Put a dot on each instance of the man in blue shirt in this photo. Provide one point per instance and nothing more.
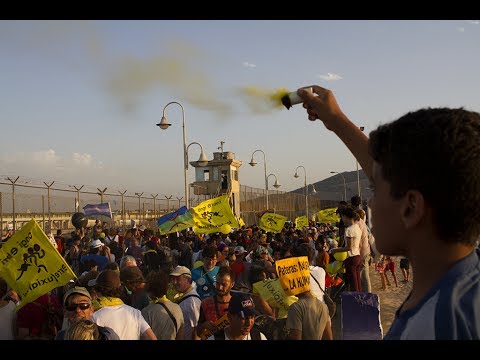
(424, 170)
(205, 275)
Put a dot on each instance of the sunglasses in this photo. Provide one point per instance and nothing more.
(82, 306)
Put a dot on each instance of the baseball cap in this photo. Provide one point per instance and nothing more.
(239, 250)
(242, 304)
(181, 270)
(76, 290)
(96, 244)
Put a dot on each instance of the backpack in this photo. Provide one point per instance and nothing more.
(254, 333)
(54, 320)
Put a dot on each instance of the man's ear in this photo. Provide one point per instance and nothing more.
(412, 209)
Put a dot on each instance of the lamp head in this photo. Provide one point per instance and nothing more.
(276, 185)
(296, 175)
(313, 190)
(333, 172)
(252, 162)
(163, 124)
(203, 161)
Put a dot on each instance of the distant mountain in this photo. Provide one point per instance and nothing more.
(332, 188)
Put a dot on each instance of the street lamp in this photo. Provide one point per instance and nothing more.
(253, 163)
(305, 185)
(358, 174)
(163, 124)
(202, 160)
(276, 185)
(344, 184)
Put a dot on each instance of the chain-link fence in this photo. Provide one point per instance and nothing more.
(52, 205)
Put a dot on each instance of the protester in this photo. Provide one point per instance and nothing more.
(164, 316)
(77, 305)
(205, 275)
(410, 163)
(125, 320)
(241, 318)
(187, 298)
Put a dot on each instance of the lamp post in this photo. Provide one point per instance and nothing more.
(163, 124)
(253, 163)
(276, 185)
(358, 174)
(305, 185)
(344, 184)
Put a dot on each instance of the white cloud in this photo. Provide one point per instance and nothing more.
(82, 159)
(330, 77)
(249, 65)
(45, 163)
(461, 29)
(473, 22)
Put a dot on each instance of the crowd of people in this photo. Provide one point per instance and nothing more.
(142, 285)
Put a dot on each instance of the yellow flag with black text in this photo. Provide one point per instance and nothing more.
(31, 265)
(210, 215)
(301, 222)
(272, 222)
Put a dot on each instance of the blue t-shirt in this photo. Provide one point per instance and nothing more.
(449, 311)
(205, 281)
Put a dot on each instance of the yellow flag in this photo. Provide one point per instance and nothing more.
(272, 291)
(301, 222)
(210, 215)
(294, 274)
(31, 265)
(241, 222)
(272, 222)
(328, 215)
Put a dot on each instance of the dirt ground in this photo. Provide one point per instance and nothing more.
(390, 299)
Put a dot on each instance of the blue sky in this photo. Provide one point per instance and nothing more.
(79, 100)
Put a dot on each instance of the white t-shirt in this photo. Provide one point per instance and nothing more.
(319, 274)
(354, 232)
(126, 321)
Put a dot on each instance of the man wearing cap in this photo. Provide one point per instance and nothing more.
(126, 321)
(241, 317)
(77, 305)
(187, 298)
(94, 253)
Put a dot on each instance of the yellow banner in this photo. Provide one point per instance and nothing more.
(294, 274)
(220, 324)
(272, 222)
(328, 215)
(210, 215)
(271, 290)
(301, 222)
(241, 222)
(31, 265)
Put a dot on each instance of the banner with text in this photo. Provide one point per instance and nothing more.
(272, 222)
(301, 222)
(272, 291)
(328, 216)
(294, 274)
(31, 265)
(210, 215)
